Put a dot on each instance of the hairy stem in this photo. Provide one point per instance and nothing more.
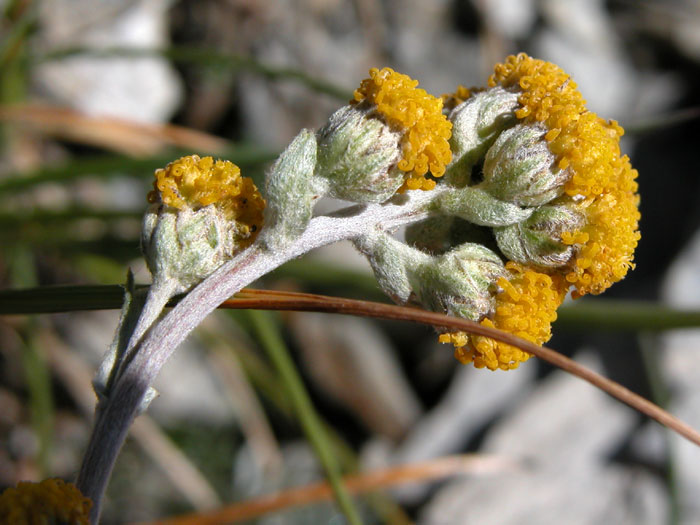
(118, 411)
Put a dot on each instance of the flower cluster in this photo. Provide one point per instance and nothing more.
(530, 198)
(585, 236)
(602, 183)
(51, 501)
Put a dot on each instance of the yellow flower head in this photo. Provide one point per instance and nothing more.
(51, 501)
(196, 182)
(602, 183)
(418, 115)
(526, 306)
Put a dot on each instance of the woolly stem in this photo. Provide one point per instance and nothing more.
(148, 356)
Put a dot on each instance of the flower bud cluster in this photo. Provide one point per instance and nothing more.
(386, 140)
(562, 163)
(601, 185)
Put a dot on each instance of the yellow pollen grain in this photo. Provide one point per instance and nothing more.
(50, 501)
(602, 183)
(525, 307)
(552, 134)
(194, 182)
(418, 116)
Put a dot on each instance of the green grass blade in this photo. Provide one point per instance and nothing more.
(38, 380)
(661, 394)
(268, 334)
(208, 58)
(19, 30)
(55, 299)
(606, 314)
(109, 165)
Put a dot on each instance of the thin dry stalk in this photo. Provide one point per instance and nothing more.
(268, 300)
(366, 482)
(129, 138)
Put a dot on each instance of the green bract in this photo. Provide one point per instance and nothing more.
(358, 155)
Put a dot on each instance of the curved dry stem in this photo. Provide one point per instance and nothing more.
(390, 477)
(262, 299)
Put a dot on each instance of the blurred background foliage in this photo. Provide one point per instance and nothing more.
(95, 96)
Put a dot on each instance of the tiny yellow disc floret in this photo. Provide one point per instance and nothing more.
(51, 501)
(462, 93)
(602, 183)
(525, 306)
(196, 182)
(416, 114)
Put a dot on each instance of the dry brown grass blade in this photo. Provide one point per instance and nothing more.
(366, 482)
(130, 138)
(272, 300)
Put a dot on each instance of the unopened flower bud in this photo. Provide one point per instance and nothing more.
(358, 155)
(537, 241)
(520, 168)
(459, 282)
(476, 123)
(202, 213)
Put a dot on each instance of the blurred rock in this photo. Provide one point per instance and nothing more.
(564, 430)
(143, 89)
(681, 369)
(676, 21)
(474, 398)
(509, 18)
(301, 468)
(589, 48)
(352, 361)
(323, 39)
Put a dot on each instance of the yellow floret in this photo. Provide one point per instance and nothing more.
(196, 182)
(602, 182)
(525, 306)
(452, 100)
(51, 501)
(418, 116)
